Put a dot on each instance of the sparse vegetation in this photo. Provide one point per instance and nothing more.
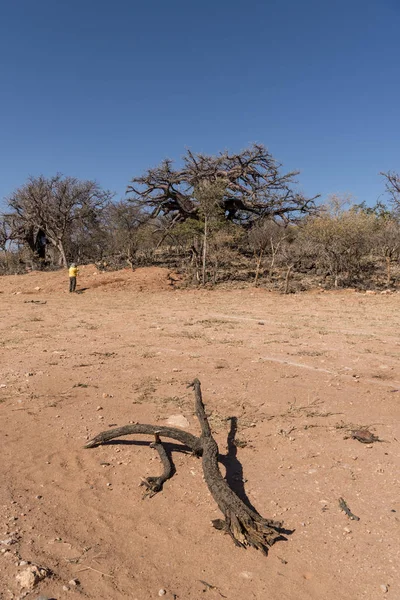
(233, 219)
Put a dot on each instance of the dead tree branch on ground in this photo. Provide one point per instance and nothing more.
(245, 526)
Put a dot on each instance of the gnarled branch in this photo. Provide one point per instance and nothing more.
(245, 526)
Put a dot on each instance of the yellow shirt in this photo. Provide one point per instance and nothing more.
(73, 271)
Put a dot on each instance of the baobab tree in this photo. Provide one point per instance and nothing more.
(254, 187)
(45, 210)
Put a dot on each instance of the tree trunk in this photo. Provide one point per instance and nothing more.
(203, 275)
(286, 291)
(258, 266)
(388, 269)
(60, 247)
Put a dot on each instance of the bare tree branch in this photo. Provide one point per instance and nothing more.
(254, 187)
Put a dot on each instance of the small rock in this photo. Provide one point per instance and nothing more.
(162, 592)
(178, 421)
(246, 575)
(37, 288)
(74, 582)
(9, 541)
(384, 588)
(31, 576)
(99, 408)
(65, 588)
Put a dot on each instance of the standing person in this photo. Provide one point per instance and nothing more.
(72, 272)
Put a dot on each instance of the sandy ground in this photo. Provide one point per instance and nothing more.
(298, 371)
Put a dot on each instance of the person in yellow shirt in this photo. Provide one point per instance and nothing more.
(72, 272)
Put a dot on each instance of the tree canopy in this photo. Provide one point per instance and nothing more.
(45, 209)
(254, 187)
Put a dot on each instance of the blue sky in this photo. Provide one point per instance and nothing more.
(101, 90)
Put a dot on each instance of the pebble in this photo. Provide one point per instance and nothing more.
(73, 582)
(99, 408)
(29, 578)
(9, 541)
(384, 588)
(65, 588)
(162, 592)
(246, 575)
(178, 421)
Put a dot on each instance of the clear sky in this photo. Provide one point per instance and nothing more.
(102, 89)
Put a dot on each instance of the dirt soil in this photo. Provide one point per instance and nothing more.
(300, 372)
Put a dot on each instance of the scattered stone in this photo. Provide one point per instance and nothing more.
(162, 592)
(9, 541)
(99, 408)
(74, 582)
(246, 575)
(178, 421)
(31, 576)
(65, 588)
(364, 436)
(384, 588)
(37, 288)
